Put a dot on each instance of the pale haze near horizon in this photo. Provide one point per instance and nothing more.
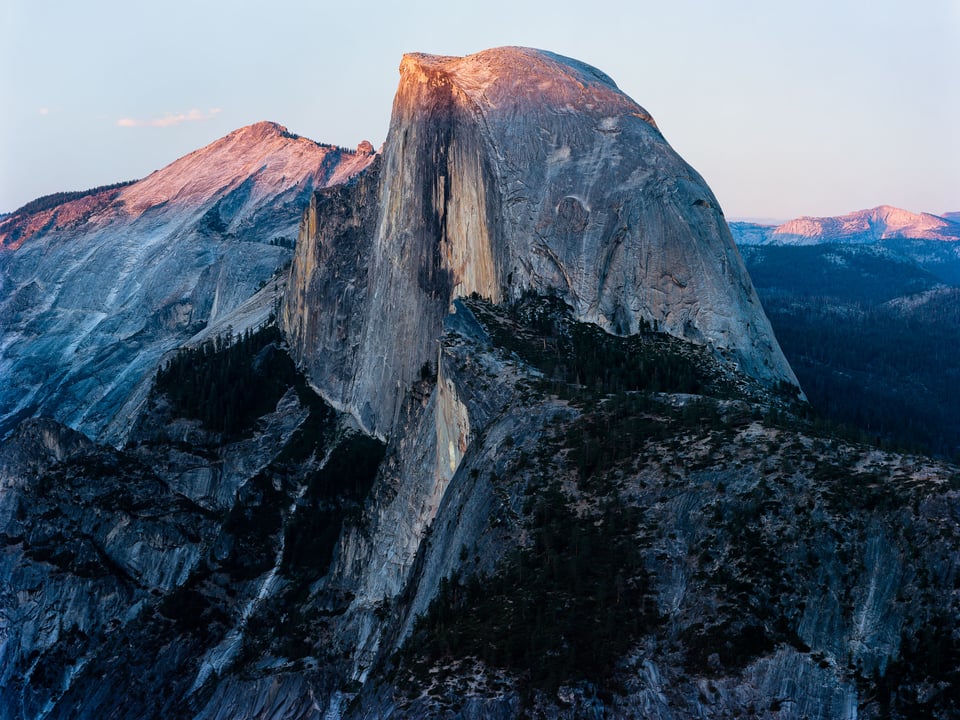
(786, 109)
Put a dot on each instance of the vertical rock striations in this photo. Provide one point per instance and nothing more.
(505, 171)
(329, 271)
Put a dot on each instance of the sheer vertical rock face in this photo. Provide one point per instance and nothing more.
(326, 296)
(518, 169)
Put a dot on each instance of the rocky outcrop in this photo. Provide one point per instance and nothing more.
(529, 546)
(90, 537)
(777, 574)
(507, 171)
(95, 290)
(130, 579)
(330, 272)
(743, 607)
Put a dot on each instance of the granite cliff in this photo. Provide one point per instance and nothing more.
(507, 171)
(555, 464)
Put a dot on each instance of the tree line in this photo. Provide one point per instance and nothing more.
(46, 202)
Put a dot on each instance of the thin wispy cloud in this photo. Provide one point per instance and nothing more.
(169, 119)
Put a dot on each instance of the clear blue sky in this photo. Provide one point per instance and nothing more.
(813, 107)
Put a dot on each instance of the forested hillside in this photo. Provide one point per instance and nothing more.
(872, 337)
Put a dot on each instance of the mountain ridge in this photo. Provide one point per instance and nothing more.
(872, 225)
(97, 288)
(190, 179)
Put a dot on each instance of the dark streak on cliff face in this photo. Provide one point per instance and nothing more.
(515, 170)
(379, 261)
(434, 190)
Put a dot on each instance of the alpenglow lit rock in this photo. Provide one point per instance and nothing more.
(95, 289)
(857, 228)
(506, 171)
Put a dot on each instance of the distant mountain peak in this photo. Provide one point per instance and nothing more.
(264, 128)
(871, 225)
(884, 222)
(265, 153)
(267, 130)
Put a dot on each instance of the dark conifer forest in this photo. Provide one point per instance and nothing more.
(228, 386)
(873, 337)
